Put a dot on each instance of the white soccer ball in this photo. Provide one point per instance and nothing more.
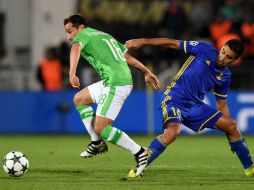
(15, 164)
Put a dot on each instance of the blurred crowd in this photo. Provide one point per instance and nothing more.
(210, 20)
(213, 21)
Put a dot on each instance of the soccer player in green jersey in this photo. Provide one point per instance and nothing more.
(110, 60)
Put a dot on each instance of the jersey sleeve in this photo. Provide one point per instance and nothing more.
(221, 92)
(122, 47)
(195, 47)
(82, 39)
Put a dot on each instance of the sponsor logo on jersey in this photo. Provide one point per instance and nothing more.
(219, 76)
(193, 43)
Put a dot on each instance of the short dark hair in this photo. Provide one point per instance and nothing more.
(76, 20)
(236, 46)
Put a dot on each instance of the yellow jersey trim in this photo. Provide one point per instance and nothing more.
(167, 98)
(159, 139)
(184, 47)
(201, 127)
(164, 107)
(236, 140)
(184, 67)
(180, 72)
(168, 118)
(221, 95)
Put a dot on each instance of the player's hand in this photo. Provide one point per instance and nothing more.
(150, 78)
(74, 80)
(133, 44)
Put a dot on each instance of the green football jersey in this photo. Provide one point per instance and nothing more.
(106, 55)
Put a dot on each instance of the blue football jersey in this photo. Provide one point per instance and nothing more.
(199, 75)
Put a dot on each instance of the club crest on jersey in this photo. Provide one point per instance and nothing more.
(193, 43)
(219, 76)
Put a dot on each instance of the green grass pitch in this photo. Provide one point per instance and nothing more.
(191, 162)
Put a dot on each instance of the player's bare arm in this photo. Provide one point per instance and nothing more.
(149, 76)
(164, 42)
(223, 107)
(74, 58)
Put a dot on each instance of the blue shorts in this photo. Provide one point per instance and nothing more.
(196, 117)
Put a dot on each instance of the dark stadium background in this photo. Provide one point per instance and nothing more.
(28, 28)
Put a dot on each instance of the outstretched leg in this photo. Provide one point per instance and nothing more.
(160, 143)
(82, 101)
(103, 126)
(236, 142)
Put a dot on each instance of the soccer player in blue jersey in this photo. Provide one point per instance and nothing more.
(182, 102)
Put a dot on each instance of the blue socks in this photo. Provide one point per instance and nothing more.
(157, 147)
(242, 151)
(240, 147)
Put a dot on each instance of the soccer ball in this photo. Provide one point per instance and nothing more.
(15, 164)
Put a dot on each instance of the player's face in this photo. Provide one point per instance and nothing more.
(226, 56)
(71, 31)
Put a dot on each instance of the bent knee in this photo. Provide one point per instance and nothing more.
(79, 100)
(175, 133)
(232, 124)
(170, 134)
(76, 100)
(101, 123)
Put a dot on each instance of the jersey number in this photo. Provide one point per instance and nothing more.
(176, 112)
(102, 98)
(116, 51)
